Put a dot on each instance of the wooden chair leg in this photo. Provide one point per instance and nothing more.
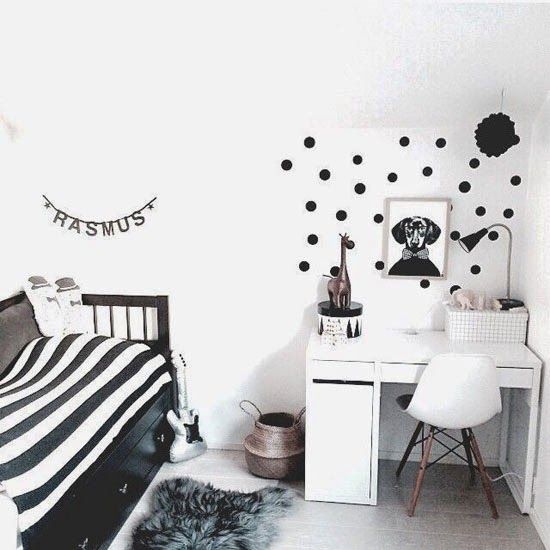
(484, 476)
(421, 472)
(409, 448)
(467, 448)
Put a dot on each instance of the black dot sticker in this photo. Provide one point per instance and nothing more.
(324, 174)
(286, 164)
(311, 206)
(357, 159)
(341, 215)
(424, 283)
(480, 211)
(304, 266)
(427, 171)
(508, 213)
(475, 269)
(493, 235)
(464, 186)
(474, 163)
(404, 141)
(312, 238)
(453, 288)
(455, 235)
(379, 265)
(378, 218)
(334, 270)
(392, 177)
(309, 142)
(360, 188)
(440, 143)
(515, 180)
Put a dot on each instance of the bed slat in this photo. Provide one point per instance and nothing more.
(128, 328)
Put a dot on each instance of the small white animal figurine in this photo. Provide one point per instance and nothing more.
(188, 442)
(463, 298)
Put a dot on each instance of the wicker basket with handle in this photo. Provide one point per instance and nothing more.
(275, 448)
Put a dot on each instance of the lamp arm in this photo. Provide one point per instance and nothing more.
(508, 230)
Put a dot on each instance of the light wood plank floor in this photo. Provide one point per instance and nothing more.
(450, 515)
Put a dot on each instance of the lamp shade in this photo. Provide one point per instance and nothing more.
(469, 242)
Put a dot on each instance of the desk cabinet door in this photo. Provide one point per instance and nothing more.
(338, 440)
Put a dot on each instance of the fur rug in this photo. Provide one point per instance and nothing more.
(191, 515)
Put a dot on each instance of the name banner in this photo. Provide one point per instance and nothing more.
(90, 228)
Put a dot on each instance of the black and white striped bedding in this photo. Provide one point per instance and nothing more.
(61, 404)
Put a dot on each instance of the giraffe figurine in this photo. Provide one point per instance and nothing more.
(339, 287)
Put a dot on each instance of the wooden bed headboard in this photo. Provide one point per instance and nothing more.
(160, 343)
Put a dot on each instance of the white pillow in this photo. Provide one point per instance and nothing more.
(47, 310)
(69, 297)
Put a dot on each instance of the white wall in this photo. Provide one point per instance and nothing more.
(119, 102)
(535, 290)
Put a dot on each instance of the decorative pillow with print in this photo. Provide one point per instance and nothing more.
(47, 310)
(69, 297)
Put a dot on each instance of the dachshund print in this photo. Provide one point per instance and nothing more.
(416, 233)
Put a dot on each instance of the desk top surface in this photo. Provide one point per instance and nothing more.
(399, 346)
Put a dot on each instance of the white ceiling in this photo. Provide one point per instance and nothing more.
(323, 63)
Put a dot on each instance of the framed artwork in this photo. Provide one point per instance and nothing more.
(416, 232)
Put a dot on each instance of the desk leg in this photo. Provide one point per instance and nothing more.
(375, 435)
(531, 442)
(504, 425)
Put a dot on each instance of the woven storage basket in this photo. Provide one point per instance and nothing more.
(486, 326)
(275, 449)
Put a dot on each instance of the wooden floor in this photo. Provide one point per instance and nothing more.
(450, 515)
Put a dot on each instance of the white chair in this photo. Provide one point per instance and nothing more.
(455, 392)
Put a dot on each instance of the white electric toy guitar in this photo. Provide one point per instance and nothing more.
(188, 442)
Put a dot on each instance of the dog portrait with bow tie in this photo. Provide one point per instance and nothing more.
(416, 238)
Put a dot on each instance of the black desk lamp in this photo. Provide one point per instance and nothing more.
(469, 242)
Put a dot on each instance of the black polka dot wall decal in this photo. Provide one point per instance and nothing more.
(304, 266)
(286, 164)
(378, 218)
(480, 211)
(392, 176)
(453, 288)
(360, 188)
(309, 142)
(427, 171)
(515, 180)
(357, 159)
(440, 143)
(311, 206)
(334, 270)
(312, 238)
(424, 283)
(379, 265)
(455, 235)
(404, 141)
(341, 215)
(324, 174)
(475, 269)
(493, 235)
(464, 186)
(474, 163)
(508, 213)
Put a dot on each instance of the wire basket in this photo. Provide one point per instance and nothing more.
(486, 325)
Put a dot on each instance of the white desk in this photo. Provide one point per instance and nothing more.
(398, 357)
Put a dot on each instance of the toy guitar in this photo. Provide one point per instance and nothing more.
(188, 442)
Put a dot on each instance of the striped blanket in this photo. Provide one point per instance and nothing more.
(62, 403)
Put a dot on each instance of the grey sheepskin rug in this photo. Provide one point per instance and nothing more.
(189, 514)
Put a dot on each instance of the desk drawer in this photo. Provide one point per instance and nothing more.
(410, 373)
(340, 370)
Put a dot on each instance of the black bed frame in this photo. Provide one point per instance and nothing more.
(93, 510)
